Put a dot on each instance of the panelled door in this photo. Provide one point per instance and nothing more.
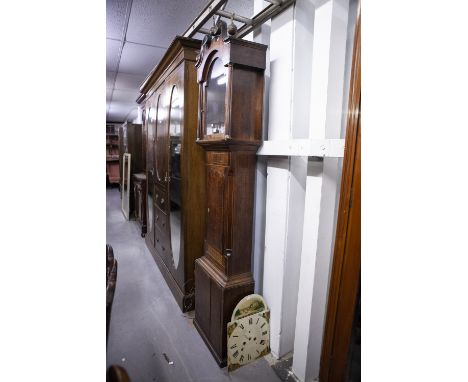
(151, 113)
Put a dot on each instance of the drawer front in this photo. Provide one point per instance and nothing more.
(160, 199)
(161, 220)
(161, 242)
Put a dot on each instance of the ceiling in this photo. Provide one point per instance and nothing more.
(138, 34)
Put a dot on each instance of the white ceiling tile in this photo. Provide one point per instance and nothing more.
(115, 18)
(126, 96)
(126, 81)
(110, 76)
(119, 111)
(133, 115)
(157, 22)
(139, 59)
(154, 23)
(240, 7)
(112, 55)
(115, 116)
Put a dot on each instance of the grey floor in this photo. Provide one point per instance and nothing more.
(146, 321)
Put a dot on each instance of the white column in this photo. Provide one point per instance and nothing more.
(323, 178)
(275, 290)
(290, 63)
(262, 36)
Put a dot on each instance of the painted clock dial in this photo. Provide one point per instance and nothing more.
(248, 339)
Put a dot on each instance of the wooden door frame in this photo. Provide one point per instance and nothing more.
(346, 269)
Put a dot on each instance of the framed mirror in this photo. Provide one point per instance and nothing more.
(175, 119)
(215, 106)
(126, 165)
(150, 163)
(161, 144)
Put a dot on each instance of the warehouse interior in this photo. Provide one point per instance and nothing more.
(305, 59)
(231, 207)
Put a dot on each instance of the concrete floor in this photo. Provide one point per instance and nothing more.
(146, 321)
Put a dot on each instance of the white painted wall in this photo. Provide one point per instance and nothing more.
(328, 69)
(285, 181)
(306, 91)
(306, 94)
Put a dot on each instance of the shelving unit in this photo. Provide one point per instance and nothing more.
(112, 154)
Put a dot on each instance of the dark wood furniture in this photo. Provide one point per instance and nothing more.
(231, 79)
(117, 373)
(111, 280)
(344, 293)
(175, 168)
(112, 154)
(130, 141)
(139, 191)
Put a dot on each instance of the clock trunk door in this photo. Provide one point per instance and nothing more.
(217, 225)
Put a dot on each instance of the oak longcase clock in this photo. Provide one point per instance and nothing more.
(230, 74)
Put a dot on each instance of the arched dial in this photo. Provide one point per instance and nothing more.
(248, 340)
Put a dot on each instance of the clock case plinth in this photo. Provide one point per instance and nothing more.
(223, 274)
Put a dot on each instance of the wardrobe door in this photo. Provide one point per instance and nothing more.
(161, 144)
(174, 170)
(153, 104)
(161, 199)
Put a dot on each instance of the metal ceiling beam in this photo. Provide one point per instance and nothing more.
(203, 17)
(263, 16)
(229, 15)
(274, 8)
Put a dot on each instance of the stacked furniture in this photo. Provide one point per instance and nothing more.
(130, 141)
(139, 192)
(112, 154)
(111, 280)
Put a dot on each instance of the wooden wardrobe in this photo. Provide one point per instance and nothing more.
(175, 168)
